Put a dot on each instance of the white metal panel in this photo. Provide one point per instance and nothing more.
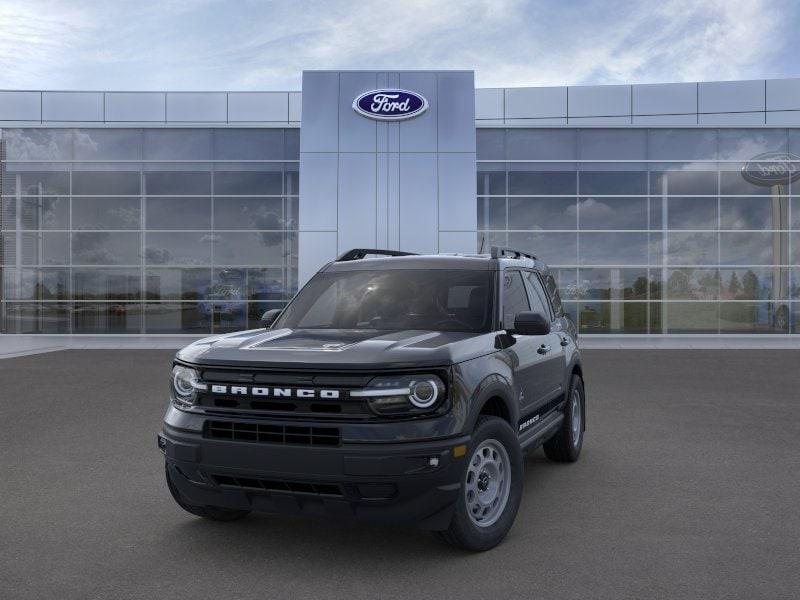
(356, 132)
(537, 122)
(418, 203)
(320, 130)
(356, 201)
(457, 205)
(419, 134)
(665, 120)
(489, 103)
(599, 101)
(456, 114)
(731, 96)
(536, 103)
(258, 106)
(783, 94)
(732, 119)
(458, 241)
(295, 106)
(665, 98)
(72, 106)
(136, 107)
(318, 248)
(784, 118)
(197, 107)
(579, 121)
(20, 106)
(318, 191)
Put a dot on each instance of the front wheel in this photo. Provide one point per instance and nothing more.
(566, 444)
(491, 488)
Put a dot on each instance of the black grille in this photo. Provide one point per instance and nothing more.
(271, 485)
(267, 433)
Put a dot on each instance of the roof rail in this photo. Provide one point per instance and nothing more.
(503, 252)
(359, 253)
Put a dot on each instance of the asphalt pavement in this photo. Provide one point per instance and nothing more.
(687, 487)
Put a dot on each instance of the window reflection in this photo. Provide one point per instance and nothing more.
(106, 213)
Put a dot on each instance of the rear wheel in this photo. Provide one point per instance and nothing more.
(215, 513)
(491, 489)
(566, 444)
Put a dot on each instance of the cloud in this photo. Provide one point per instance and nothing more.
(210, 44)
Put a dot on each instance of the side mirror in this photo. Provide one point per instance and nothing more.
(531, 323)
(268, 318)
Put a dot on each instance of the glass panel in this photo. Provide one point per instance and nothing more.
(292, 144)
(552, 248)
(38, 144)
(610, 183)
(491, 213)
(541, 144)
(542, 213)
(248, 183)
(177, 284)
(266, 284)
(106, 213)
(179, 248)
(250, 248)
(8, 214)
(524, 181)
(102, 317)
(732, 182)
(515, 298)
(40, 249)
(45, 212)
(108, 144)
(98, 183)
(752, 248)
(693, 284)
(490, 144)
(692, 213)
(692, 249)
(794, 286)
(36, 284)
(613, 248)
(690, 317)
(178, 213)
(177, 183)
(612, 144)
(613, 317)
(491, 180)
(566, 280)
(612, 213)
(248, 144)
(680, 182)
(753, 317)
(291, 178)
(106, 284)
(755, 283)
(38, 183)
(227, 316)
(682, 144)
(228, 285)
(177, 144)
(753, 213)
(47, 317)
(612, 284)
(249, 213)
(105, 248)
(745, 144)
(183, 317)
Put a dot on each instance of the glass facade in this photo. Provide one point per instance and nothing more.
(146, 230)
(651, 230)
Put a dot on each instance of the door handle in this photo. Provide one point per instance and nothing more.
(543, 349)
(565, 341)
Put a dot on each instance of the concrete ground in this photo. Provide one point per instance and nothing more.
(687, 487)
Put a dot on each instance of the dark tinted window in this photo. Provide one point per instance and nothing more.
(515, 299)
(555, 297)
(536, 294)
(394, 300)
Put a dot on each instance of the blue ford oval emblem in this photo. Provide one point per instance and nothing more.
(772, 168)
(390, 105)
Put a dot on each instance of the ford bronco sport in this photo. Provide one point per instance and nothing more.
(399, 388)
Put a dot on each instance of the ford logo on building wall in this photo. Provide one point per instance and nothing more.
(390, 105)
(772, 168)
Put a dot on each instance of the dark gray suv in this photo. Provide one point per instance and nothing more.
(399, 388)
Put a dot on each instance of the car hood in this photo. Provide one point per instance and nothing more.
(337, 349)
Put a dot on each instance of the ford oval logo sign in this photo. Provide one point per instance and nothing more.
(772, 168)
(390, 105)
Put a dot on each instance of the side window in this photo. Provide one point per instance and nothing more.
(536, 293)
(515, 300)
(555, 297)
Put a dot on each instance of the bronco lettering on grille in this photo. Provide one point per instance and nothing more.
(275, 392)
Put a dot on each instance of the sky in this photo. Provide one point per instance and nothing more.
(263, 45)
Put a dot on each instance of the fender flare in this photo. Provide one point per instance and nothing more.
(493, 386)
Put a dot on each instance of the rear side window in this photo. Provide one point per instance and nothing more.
(555, 298)
(515, 299)
(537, 295)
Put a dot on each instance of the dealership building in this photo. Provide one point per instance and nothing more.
(662, 209)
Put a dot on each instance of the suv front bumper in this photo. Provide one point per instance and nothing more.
(412, 482)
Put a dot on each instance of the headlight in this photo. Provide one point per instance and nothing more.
(403, 394)
(185, 385)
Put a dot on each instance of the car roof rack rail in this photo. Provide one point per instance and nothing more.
(503, 252)
(359, 253)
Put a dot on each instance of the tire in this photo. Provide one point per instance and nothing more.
(493, 443)
(214, 513)
(566, 444)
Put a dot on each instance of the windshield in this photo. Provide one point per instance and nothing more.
(439, 300)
